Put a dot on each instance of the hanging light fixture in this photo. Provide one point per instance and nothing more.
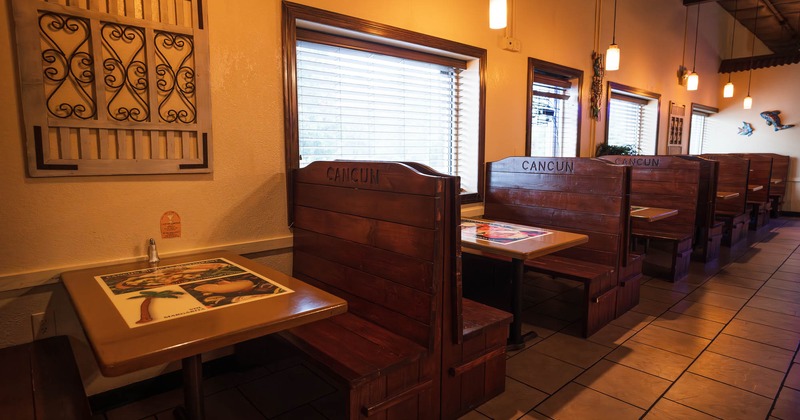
(748, 100)
(727, 91)
(694, 79)
(498, 14)
(612, 53)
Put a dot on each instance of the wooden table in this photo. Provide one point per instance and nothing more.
(120, 348)
(651, 214)
(726, 195)
(518, 250)
(754, 187)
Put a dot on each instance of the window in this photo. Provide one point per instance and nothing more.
(553, 109)
(700, 127)
(400, 96)
(632, 118)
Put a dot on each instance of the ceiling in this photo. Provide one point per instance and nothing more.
(778, 28)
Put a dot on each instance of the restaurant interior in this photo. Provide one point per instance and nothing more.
(504, 209)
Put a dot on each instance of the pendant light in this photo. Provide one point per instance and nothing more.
(694, 80)
(612, 53)
(748, 100)
(498, 14)
(727, 91)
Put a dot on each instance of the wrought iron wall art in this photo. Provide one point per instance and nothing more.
(176, 77)
(67, 66)
(112, 87)
(125, 72)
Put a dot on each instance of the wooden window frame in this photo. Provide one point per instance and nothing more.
(567, 72)
(702, 109)
(293, 12)
(633, 93)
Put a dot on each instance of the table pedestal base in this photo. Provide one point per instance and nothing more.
(516, 340)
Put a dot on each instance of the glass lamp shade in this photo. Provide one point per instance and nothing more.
(693, 81)
(612, 57)
(727, 91)
(498, 14)
(748, 102)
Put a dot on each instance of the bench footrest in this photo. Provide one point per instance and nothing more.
(599, 281)
(676, 265)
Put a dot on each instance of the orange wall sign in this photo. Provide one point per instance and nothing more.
(170, 225)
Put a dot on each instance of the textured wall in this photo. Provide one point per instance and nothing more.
(56, 224)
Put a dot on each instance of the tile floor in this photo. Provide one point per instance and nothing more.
(721, 344)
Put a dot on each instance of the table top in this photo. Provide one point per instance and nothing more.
(726, 195)
(121, 349)
(775, 180)
(515, 240)
(652, 214)
(754, 187)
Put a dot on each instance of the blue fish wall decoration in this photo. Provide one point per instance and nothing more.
(774, 120)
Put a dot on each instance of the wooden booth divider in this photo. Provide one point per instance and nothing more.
(385, 237)
(734, 173)
(579, 195)
(708, 231)
(758, 199)
(664, 182)
(777, 190)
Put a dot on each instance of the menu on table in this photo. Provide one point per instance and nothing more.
(497, 232)
(156, 294)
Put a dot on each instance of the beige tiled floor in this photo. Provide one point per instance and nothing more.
(721, 344)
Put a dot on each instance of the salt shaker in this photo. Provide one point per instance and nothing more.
(152, 253)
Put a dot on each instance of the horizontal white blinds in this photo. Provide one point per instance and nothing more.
(356, 104)
(630, 124)
(699, 133)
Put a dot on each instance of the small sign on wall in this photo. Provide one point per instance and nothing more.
(170, 225)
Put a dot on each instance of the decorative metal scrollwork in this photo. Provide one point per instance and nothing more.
(175, 77)
(125, 72)
(67, 66)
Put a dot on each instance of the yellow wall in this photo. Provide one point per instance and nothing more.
(54, 224)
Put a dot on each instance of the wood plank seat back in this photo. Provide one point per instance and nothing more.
(733, 177)
(578, 195)
(734, 173)
(41, 381)
(666, 182)
(760, 174)
(474, 335)
(780, 173)
(372, 233)
(708, 232)
(759, 201)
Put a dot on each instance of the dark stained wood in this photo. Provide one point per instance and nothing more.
(577, 195)
(41, 381)
(389, 246)
(780, 172)
(758, 200)
(708, 232)
(734, 173)
(667, 182)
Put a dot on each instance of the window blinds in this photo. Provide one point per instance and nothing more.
(554, 120)
(356, 104)
(631, 123)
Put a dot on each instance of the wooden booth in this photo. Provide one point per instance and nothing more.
(385, 237)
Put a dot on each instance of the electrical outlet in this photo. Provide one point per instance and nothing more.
(43, 325)
(511, 44)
